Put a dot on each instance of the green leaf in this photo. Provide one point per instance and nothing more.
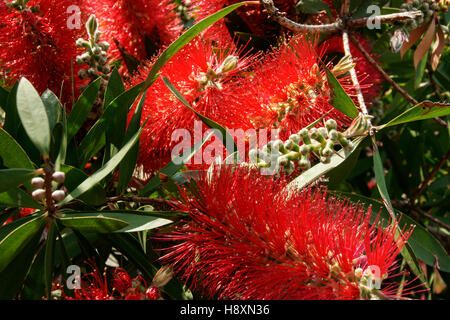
(98, 222)
(13, 276)
(62, 152)
(422, 111)
(190, 34)
(12, 178)
(227, 139)
(81, 109)
(173, 166)
(33, 116)
(128, 165)
(339, 99)
(12, 120)
(312, 6)
(320, 169)
(115, 117)
(114, 89)
(16, 197)
(11, 152)
(74, 177)
(106, 125)
(16, 235)
(52, 106)
(49, 258)
(104, 171)
(379, 177)
(93, 142)
(132, 222)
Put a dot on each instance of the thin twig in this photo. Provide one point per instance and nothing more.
(338, 25)
(430, 176)
(359, 94)
(406, 205)
(394, 84)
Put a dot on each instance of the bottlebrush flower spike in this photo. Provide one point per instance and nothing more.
(208, 80)
(140, 27)
(37, 43)
(251, 239)
(289, 91)
(369, 77)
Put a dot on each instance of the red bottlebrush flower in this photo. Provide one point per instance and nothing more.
(38, 44)
(208, 80)
(288, 89)
(140, 27)
(122, 281)
(153, 293)
(368, 76)
(95, 286)
(253, 20)
(250, 238)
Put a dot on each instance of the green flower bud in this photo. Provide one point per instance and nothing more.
(333, 135)
(305, 149)
(291, 145)
(323, 131)
(293, 156)
(230, 63)
(304, 134)
(283, 161)
(92, 25)
(331, 124)
(279, 146)
(295, 138)
(59, 177)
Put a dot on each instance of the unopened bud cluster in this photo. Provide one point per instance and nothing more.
(95, 56)
(38, 184)
(301, 148)
(428, 8)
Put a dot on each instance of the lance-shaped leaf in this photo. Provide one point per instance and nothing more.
(114, 89)
(81, 109)
(422, 111)
(128, 165)
(49, 258)
(16, 197)
(33, 116)
(11, 152)
(16, 235)
(104, 171)
(425, 44)
(112, 221)
(339, 99)
(12, 178)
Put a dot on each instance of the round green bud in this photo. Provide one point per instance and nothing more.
(331, 124)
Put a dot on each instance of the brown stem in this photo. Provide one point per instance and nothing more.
(278, 16)
(48, 179)
(345, 8)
